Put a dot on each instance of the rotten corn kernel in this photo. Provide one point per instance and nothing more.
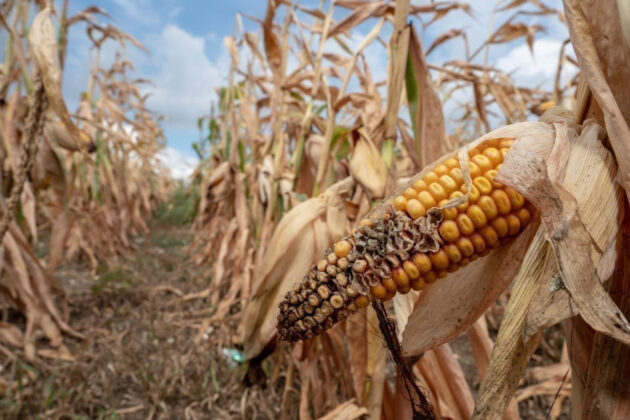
(411, 243)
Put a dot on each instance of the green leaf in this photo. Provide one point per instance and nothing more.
(387, 151)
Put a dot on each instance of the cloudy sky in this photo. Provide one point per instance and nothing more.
(188, 58)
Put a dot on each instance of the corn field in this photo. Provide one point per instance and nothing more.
(432, 239)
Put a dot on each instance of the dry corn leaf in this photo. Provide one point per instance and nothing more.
(425, 107)
(451, 398)
(376, 359)
(44, 46)
(272, 45)
(355, 331)
(367, 165)
(399, 47)
(346, 411)
(591, 68)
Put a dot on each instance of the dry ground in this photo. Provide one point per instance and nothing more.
(151, 353)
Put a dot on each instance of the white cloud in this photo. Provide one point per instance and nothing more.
(183, 86)
(530, 70)
(179, 163)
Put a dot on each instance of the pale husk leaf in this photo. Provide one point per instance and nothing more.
(591, 174)
(569, 238)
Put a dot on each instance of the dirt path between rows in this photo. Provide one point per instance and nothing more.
(152, 350)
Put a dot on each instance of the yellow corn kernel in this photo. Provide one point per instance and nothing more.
(437, 191)
(448, 183)
(514, 224)
(439, 260)
(378, 291)
(419, 185)
(415, 209)
(361, 301)
(422, 262)
(465, 246)
(502, 201)
(417, 284)
(494, 155)
(506, 143)
(524, 216)
(441, 170)
(516, 199)
(453, 253)
(401, 278)
(441, 274)
(390, 284)
(400, 203)
(483, 185)
(486, 203)
(448, 213)
(483, 162)
(427, 199)
(464, 262)
(410, 193)
(389, 295)
(490, 176)
(474, 151)
(449, 231)
(478, 242)
(490, 236)
(504, 151)
(500, 226)
(457, 175)
(429, 277)
(430, 177)
(452, 163)
(465, 224)
(462, 207)
(474, 193)
(411, 270)
(477, 216)
(475, 171)
(342, 248)
(491, 143)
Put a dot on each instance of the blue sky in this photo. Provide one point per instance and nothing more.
(188, 59)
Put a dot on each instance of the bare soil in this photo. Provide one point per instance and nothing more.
(150, 351)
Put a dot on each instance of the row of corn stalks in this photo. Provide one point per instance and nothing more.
(303, 148)
(62, 171)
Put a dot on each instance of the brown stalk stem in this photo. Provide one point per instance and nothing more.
(420, 405)
(33, 132)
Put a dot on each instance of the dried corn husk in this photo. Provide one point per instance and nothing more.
(298, 241)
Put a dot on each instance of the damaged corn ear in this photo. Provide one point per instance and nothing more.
(412, 242)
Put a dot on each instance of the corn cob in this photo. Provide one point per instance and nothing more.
(412, 242)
